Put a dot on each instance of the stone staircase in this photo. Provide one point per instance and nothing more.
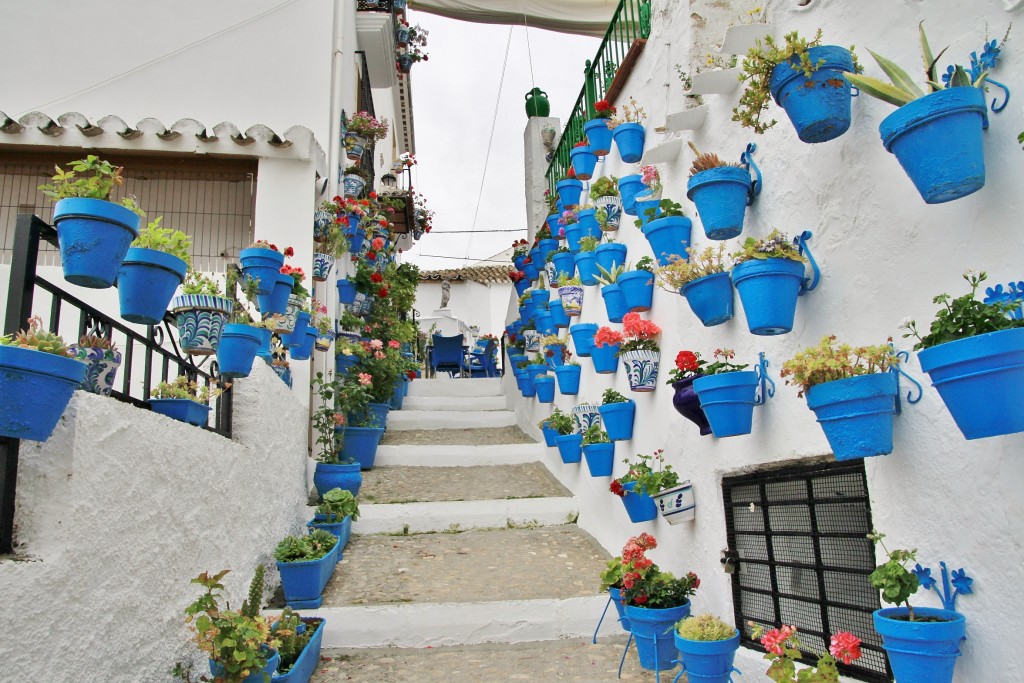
(466, 557)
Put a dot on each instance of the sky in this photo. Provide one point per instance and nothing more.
(454, 97)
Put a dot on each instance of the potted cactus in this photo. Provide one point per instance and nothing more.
(708, 647)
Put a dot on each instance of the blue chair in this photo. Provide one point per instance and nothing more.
(448, 355)
(483, 359)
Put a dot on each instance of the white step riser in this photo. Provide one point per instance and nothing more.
(447, 419)
(458, 456)
(439, 624)
(455, 387)
(455, 403)
(466, 514)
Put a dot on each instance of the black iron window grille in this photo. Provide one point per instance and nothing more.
(804, 559)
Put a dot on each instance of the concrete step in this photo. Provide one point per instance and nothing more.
(444, 386)
(460, 403)
(403, 420)
(464, 515)
(455, 455)
(491, 436)
(495, 483)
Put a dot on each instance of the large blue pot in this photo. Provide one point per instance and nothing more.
(605, 358)
(304, 350)
(610, 255)
(727, 400)
(565, 264)
(346, 291)
(921, 651)
(569, 191)
(307, 661)
(708, 661)
(669, 237)
(276, 302)
(182, 410)
(544, 323)
(329, 476)
(583, 162)
(818, 107)
(856, 414)
(710, 298)
(237, 349)
(721, 195)
(568, 379)
(379, 412)
(599, 136)
(545, 386)
(614, 303)
(589, 224)
(35, 388)
(616, 596)
(600, 458)
(586, 266)
(93, 235)
(981, 381)
(256, 676)
(573, 233)
(303, 582)
(937, 140)
(558, 316)
(146, 282)
(342, 363)
(638, 289)
(570, 447)
(552, 221)
(549, 436)
(768, 289)
(546, 247)
(342, 529)
(652, 630)
(617, 419)
(629, 138)
(629, 187)
(360, 444)
(583, 338)
(263, 265)
(639, 506)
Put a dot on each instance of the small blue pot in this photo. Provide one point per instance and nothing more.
(552, 221)
(921, 651)
(583, 162)
(568, 379)
(333, 476)
(276, 302)
(355, 242)
(360, 444)
(639, 506)
(146, 282)
(617, 419)
(818, 107)
(304, 582)
(721, 196)
(727, 400)
(526, 387)
(856, 414)
(545, 386)
(182, 410)
(380, 412)
(570, 447)
(544, 323)
(645, 208)
(540, 296)
(614, 303)
(586, 266)
(546, 247)
(347, 291)
(583, 338)
(668, 237)
(600, 458)
(638, 289)
(262, 264)
(605, 358)
(517, 261)
(532, 270)
(573, 233)
(343, 363)
(569, 191)
(610, 255)
(297, 337)
(710, 298)
(549, 436)
(535, 370)
(35, 388)
(304, 350)
(653, 633)
(93, 235)
(237, 349)
(629, 138)
(629, 187)
(264, 351)
(708, 661)
(768, 289)
(555, 357)
(558, 316)
(599, 136)
(565, 264)
(520, 286)
(588, 223)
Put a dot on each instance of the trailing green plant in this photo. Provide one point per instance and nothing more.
(337, 504)
(293, 634)
(965, 316)
(775, 245)
(333, 242)
(37, 338)
(892, 577)
(666, 209)
(359, 171)
(253, 603)
(594, 435)
(646, 263)
(605, 186)
(611, 396)
(313, 546)
(167, 240)
(199, 284)
(679, 271)
(561, 422)
(705, 628)
(90, 178)
(828, 362)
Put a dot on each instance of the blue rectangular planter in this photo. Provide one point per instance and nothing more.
(305, 665)
(303, 582)
(342, 529)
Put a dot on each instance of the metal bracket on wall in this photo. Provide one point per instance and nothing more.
(809, 283)
(766, 387)
(747, 161)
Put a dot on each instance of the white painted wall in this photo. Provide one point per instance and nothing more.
(471, 302)
(884, 254)
(122, 507)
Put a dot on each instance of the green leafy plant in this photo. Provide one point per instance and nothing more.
(644, 584)
(705, 628)
(168, 240)
(647, 478)
(90, 178)
(564, 280)
(293, 634)
(561, 422)
(605, 186)
(594, 434)
(198, 283)
(680, 271)
(37, 338)
(828, 362)
(892, 577)
(183, 387)
(589, 243)
(775, 245)
(965, 317)
(326, 418)
(666, 209)
(646, 263)
(783, 650)
(337, 504)
(313, 546)
(611, 396)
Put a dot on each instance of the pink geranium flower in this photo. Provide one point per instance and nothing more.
(606, 336)
(365, 379)
(394, 344)
(845, 647)
(376, 344)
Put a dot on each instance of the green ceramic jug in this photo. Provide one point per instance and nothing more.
(537, 103)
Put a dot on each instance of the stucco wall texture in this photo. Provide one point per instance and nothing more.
(121, 508)
(883, 254)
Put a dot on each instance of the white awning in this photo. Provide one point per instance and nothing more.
(584, 17)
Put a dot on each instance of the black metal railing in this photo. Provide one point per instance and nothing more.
(366, 104)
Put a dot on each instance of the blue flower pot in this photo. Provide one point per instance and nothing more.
(535, 370)
(573, 233)
(347, 291)
(617, 419)
(639, 506)
(616, 596)
(921, 651)
(647, 210)
(565, 264)
(305, 349)
(264, 350)
(342, 363)
(307, 661)
(545, 386)
(379, 412)
(355, 242)
(545, 325)
(540, 296)
(546, 247)
(981, 381)
(568, 379)
(554, 355)
(629, 138)
(586, 266)
(610, 255)
(558, 316)
(35, 388)
(360, 443)
(583, 162)
(583, 338)
(668, 237)
(334, 476)
(303, 582)
(818, 107)
(146, 282)
(768, 289)
(653, 632)
(398, 395)
(600, 458)
(276, 302)
(614, 303)
(297, 337)
(721, 196)
(629, 187)
(570, 447)
(856, 414)
(263, 265)
(727, 400)
(599, 136)
(708, 661)
(182, 410)
(605, 358)
(342, 529)
(237, 349)
(353, 185)
(517, 261)
(256, 676)
(710, 298)
(532, 270)
(93, 235)
(588, 223)
(521, 286)
(549, 436)
(937, 140)
(526, 387)
(569, 191)
(638, 289)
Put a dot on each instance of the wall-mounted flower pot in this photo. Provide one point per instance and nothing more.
(521, 286)
(981, 381)
(687, 404)
(588, 223)
(573, 233)
(545, 386)
(609, 256)
(531, 269)
(570, 447)
(200, 319)
(526, 387)
(605, 360)
(146, 282)
(546, 247)
(668, 237)
(288, 322)
(599, 136)
(586, 415)
(728, 401)
(559, 318)
(921, 651)
(553, 352)
(276, 301)
(565, 264)
(688, 119)
(721, 196)
(938, 141)
(708, 661)
(237, 349)
(583, 162)
(612, 207)
(344, 362)
(629, 187)
(35, 388)
(568, 379)
(355, 242)
(676, 504)
(641, 369)
(323, 340)
(638, 289)
(353, 185)
(768, 289)
(552, 221)
(583, 338)
(856, 414)
(297, 337)
(360, 444)
(629, 138)
(263, 265)
(303, 582)
(542, 318)
(710, 298)
(572, 299)
(600, 458)
(101, 367)
(322, 265)
(355, 145)
(617, 419)
(818, 107)
(93, 236)
(265, 352)
(614, 302)
(182, 410)
(586, 267)
(532, 338)
(549, 436)
(716, 82)
(569, 191)
(652, 632)
(647, 209)
(304, 349)
(639, 506)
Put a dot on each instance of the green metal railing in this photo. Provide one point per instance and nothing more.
(631, 21)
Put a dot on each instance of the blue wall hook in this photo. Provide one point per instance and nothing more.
(897, 369)
(809, 283)
(1014, 292)
(960, 584)
(996, 108)
(766, 387)
(747, 161)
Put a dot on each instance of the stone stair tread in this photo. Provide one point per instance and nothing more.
(445, 386)
(452, 403)
(383, 485)
(575, 661)
(472, 566)
(489, 436)
(419, 518)
(404, 420)
(457, 455)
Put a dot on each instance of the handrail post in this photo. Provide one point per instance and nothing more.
(590, 87)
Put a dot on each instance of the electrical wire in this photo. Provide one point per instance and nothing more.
(460, 258)
(529, 52)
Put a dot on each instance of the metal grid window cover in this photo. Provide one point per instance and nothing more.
(800, 534)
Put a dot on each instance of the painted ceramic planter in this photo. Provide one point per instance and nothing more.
(356, 146)
(676, 504)
(94, 236)
(353, 186)
(572, 299)
(322, 265)
(201, 319)
(586, 415)
(641, 369)
(612, 206)
(322, 222)
(101, 367)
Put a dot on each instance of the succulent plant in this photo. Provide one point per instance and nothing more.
(35, 337)
(91, 341)
(705, 627)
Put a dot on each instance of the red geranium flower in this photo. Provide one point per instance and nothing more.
(382, 292)
(686, 361)
(289, 252)
(617, 489)
(377, 278)
(371, 255)
(373, 195)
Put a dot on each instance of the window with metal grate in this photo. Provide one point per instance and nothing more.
(804, 559)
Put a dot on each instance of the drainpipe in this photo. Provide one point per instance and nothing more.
(337, 71)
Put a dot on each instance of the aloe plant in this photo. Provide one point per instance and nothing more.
(611, 277)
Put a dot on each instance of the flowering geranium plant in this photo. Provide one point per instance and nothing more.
(783, 649)
(638, 334)
(645, 476)
(603, 110)
(367, 126)
(516, 275)
(520, 248)
(606, 336)
(688, 365)
(297, 276)
(650, 177)
(644, 584)
(568, 217)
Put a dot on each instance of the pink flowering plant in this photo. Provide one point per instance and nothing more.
(650, 177)
(783, 650)
(365, 125)
(606, 336)
(638, 334)
(644, 584)
(568, 217)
